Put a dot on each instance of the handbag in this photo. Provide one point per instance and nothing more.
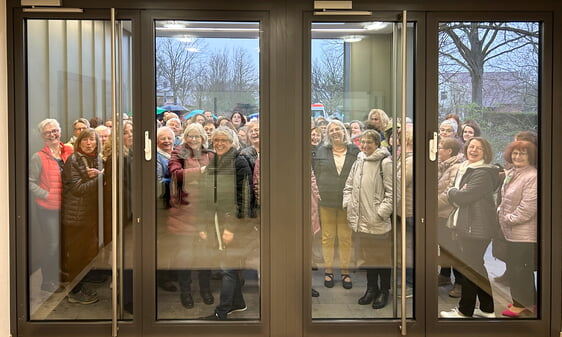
(451, 219)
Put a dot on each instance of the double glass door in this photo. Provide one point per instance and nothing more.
(163, 163)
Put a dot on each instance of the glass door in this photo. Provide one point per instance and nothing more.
(363, 125)
(488, 232)
(78, 112)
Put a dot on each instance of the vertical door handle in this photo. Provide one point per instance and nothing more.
(433, 147)
(147, 146)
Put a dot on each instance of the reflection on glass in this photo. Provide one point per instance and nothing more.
(208, 225)
(68, 102)
(353, 169)
(487, 182)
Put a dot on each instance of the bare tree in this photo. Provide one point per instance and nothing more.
(476, 45)
(178, 65)
(328, 77)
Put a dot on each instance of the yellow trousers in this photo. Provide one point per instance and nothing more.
(334, 225)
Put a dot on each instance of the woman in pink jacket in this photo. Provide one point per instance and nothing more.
(517, 214)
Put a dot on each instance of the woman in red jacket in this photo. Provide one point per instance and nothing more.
(45, 184)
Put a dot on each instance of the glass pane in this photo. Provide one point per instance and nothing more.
(487, 190)
(69, 236)
(208, 218)
(356, 101)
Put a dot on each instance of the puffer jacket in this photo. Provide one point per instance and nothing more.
(477, 216)
(367, 196)
(186, 179)
(80, 192)
(446, 175)
(517, 211)
(330, 183)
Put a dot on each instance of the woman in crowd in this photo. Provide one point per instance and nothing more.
(380, 121)
(315, 139)
(238, 119)
(209, 127)
(331, 166)
(470, 129)
(475, 220)
(82, 176)
(455, 118)
(367, 198)
(449, 162)
(243, 136)
(187, 165)
(517, 214)
(357, 128)
(227, 189)
(252, 151)
(45, 184)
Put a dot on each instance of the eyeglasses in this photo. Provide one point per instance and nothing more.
(51, 132)
(221, 140)
(80, 129)
(517, 153)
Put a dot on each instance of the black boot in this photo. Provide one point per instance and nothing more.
(368, 297)
(186, 300)
(381, 300)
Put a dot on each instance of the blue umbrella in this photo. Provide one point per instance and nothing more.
(193, 113)
(174, 108)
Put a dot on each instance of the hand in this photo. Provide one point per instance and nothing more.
(203, 235)
(203, 168)
(93, 172)
(227, 236)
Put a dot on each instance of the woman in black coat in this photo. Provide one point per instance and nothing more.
(82, 176)
(475, 220)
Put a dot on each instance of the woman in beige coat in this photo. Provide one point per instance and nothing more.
(367, 199)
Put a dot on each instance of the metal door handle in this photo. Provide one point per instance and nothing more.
(433, 147)
(147, 146)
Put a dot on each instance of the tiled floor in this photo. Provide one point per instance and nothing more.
(333, 303)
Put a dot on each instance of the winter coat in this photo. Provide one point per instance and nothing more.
(330, 184)
(409, 177)
(517, 211)
(446, 179)
(80, 221)
(477, 216)
(186, 177)
(367, 196)
(45, 181)
(226, 192)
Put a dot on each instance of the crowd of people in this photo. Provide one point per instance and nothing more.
(478, 202)
(208, 173)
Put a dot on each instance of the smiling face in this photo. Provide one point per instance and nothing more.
(336, 134)
(446, 131)
(443, 153)
(475, 151)
(194, 139)
(254, 135)
(355, 129)
(368, 145)
(88, 144)
(242, 136)
(467, 133)
(315, 137)
(221, 143)
(166, 141)
(51, 134)
(520, 158)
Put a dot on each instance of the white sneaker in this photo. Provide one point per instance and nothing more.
(453, 313)
(483, 314)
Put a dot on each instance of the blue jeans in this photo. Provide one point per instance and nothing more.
(231, 292)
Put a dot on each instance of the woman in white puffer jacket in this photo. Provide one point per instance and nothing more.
(367, 199)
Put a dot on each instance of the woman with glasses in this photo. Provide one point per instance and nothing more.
(518, 220)
(45, 185)
(367, 199)
(475, 220)
(331, 166)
